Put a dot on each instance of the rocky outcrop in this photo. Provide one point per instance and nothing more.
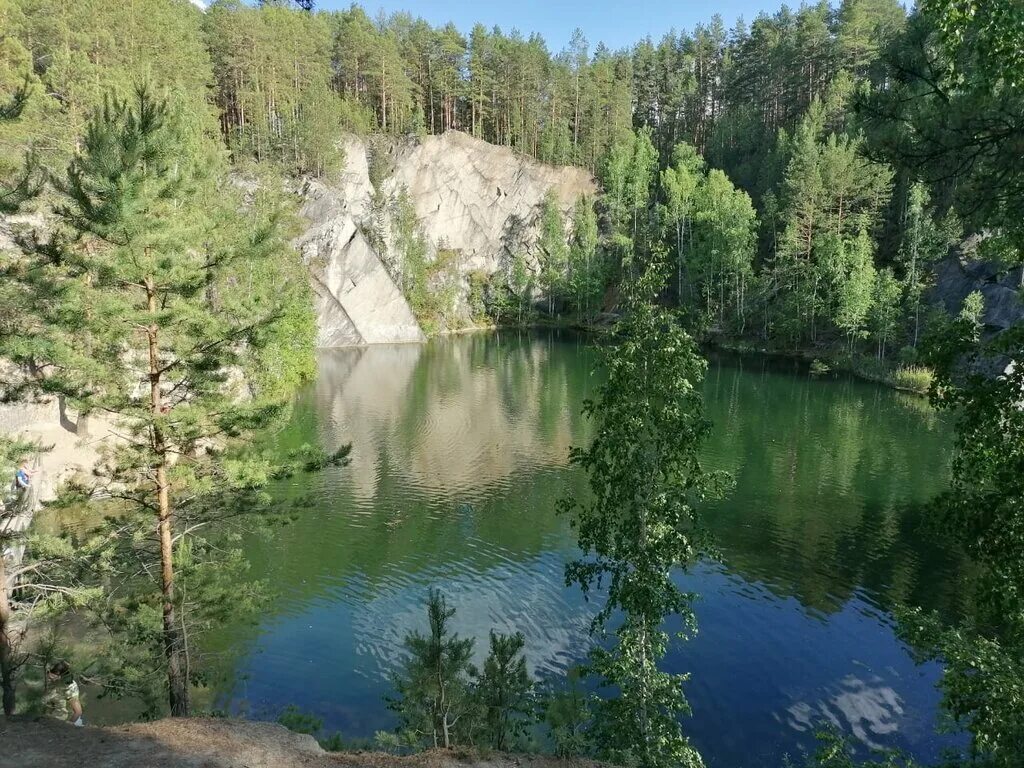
(961, 273)
(479, 199)
(357, 301)
(475, 200)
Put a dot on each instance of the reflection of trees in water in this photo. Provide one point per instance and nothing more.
(825, 470)
(830, 477)
(475, 420)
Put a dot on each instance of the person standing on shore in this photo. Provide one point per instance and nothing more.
(23, 477)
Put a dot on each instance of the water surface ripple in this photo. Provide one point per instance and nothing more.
(459, 452)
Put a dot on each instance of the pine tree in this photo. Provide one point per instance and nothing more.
(434, 689)
(139, 313)
(505, 692)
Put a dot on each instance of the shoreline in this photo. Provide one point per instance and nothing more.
(834, 363)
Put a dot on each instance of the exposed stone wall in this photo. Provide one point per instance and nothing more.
(357, 302)
(15, 417)
(471, 197)
(959, 275)
(479, 199)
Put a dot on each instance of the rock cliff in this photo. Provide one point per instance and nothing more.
(475, 200)
(962, 273)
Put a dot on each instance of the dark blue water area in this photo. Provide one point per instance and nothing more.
(460, 452)
(766, 672)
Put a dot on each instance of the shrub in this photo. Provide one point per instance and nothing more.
(297, 721)
(916, 378)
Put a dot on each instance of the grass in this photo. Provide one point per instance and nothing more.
(915, 378)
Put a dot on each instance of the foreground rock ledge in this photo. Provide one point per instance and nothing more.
(210, 743)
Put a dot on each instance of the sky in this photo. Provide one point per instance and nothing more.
(617, 24)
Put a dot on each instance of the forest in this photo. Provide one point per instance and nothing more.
(798, 174)
(788, 184)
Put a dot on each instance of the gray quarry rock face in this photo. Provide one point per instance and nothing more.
(956, 278)
(480, 199)
(357, 302)
(469, 196)
(958, 275)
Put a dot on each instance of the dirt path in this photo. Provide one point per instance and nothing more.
(194, 743)
(213, 743)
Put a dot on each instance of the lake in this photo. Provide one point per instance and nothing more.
(459, 453)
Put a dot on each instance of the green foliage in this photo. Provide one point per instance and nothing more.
(972, 313)
(272, 66)
(430, 283)
(858, 290)
(83, 51)
(679, 184)
(554, 250)
(388, 742)
(724, 223)
(410, 250)
(566, 713)
(627, 177)
(954, 93)
(435, 702)
(639, 525)
(158, 272)
(297, 721)
(285, 84)
(819, 367)
(989, 33)
(916, 378)
(586, 270)
(505, 693)
(834, 752)
(511, 298)
(294, 719)
(983, 512)
(478, 297)
(832, 199)
(885, 308)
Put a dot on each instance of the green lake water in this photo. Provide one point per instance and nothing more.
(459, 455)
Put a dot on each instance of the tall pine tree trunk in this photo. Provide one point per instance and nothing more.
(178, 694)
(7, 665)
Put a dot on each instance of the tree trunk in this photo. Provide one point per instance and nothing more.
(178, 694)
(8, 668)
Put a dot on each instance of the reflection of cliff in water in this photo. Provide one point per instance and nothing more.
(459, 457)
(455, 417)
(460, 446)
